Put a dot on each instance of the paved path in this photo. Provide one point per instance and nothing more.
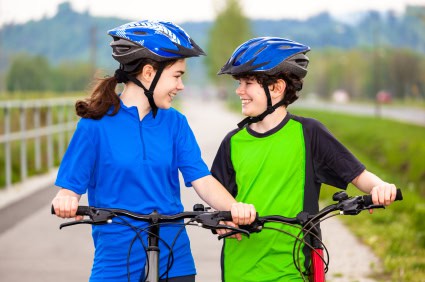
(34, 249)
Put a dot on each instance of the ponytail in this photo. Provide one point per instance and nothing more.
(102, 98)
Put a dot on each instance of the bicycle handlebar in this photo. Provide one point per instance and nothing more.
(204, 218)
(346, 205)
(211, 219)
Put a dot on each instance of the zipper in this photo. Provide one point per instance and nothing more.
(142, 140)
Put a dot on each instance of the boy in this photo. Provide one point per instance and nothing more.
(278, 161)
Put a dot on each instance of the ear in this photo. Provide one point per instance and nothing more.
(278, 88)
(148, 73)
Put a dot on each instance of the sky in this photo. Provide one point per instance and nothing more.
(21, 11)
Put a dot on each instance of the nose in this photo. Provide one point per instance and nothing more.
(180, 85)
(239, 90)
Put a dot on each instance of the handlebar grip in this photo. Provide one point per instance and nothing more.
(81, 210)
(368, 198)
(225, 215)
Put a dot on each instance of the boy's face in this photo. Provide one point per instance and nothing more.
(252, 95)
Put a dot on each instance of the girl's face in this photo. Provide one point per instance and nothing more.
(253, 97)
(169, 84)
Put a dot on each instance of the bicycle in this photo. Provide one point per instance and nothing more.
(310, 235)
(306, 222)
(200, 216)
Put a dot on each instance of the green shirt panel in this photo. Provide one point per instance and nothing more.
(270, 173)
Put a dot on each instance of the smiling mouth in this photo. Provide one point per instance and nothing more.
(172, 95)
(245, 101)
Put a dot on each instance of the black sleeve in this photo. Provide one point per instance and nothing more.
(222, 167)
(333, 163)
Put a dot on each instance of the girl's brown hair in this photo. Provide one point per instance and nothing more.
(103, 95)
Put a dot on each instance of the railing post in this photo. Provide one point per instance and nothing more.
(7, 148)
(22, 121)
(49, 138)
(37, 142)
(61, 137)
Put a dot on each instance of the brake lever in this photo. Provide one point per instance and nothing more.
(234, 231)
(212, 221)
(97, 217)
(374, 207)
(84, 221)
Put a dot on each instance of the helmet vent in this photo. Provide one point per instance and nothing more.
(261, 50)
(283, 47)
(140, 32)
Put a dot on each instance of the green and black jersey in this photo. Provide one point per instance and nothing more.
(280, 172)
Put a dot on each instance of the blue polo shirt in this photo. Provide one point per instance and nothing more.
(122, 162)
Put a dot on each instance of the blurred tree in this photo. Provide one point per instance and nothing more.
(230, 29)
(404, 72)
(71, 76)
(33, 73)
(28, 73)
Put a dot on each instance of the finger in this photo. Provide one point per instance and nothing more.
(235, 213)
(67, 209)
(243, 213)
(55, 205)
(375, 196)
(393, 192)
(253, 214)
(73, 206)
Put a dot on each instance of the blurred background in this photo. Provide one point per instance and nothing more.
(366, 83)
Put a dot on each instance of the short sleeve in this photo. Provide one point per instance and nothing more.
(334, 164)
(77, 165)
(189, 159)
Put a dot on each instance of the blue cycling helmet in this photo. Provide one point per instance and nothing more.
(157, 40)
(268, 55)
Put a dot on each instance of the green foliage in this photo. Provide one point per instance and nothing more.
(363, 72)
(230, 29)
(29, 73)
(394, 151)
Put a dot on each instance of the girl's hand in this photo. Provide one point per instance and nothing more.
(65, 204)
(243, 214)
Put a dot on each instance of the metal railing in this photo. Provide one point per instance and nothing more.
(46, 123)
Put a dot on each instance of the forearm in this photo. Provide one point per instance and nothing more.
(213, 193)
(366, 181)
(383, 193)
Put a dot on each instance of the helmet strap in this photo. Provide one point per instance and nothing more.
(148, 92)
(270, 109)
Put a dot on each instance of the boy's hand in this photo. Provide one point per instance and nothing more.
(383, 194)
